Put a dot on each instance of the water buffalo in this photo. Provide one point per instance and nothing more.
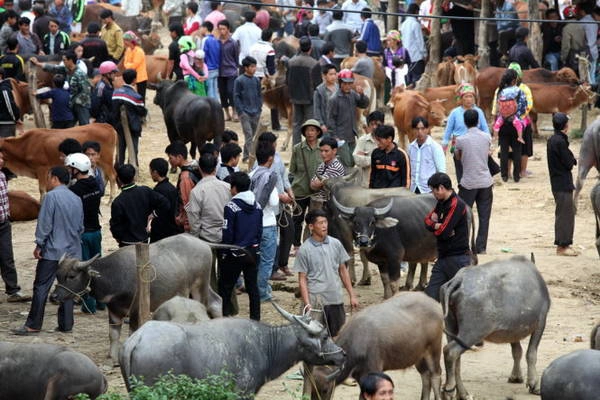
(595, 338)
(182, 310)
(254, 353)
(573, 376)
(45, 371)
(188, 117)
(182, 263)
(382, 337)
(595, 196)
(502, 302)
(589, 156)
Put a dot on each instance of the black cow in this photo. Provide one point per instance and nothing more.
(188, 117)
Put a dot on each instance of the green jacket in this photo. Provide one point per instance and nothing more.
(79, 85)
(302, 177)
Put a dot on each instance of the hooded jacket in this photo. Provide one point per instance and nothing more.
(242, 223)
(88, 190)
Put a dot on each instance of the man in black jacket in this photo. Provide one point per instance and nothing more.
(131, 210)
(94, 46)
(520, 53)
(9, 112)
(448, 222)
(560, 163)
(164, 225)
(389, 164)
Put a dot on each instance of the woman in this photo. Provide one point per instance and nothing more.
(396, 59)
(197, 85)
(456, 124)
(376, 386)
(136, 59)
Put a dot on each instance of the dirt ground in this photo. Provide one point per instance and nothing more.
(522, 222)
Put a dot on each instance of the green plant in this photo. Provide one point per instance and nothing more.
(576, 133)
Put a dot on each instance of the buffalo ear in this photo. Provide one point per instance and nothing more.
(94, 274)
(387, 222)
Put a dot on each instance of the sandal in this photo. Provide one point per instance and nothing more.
(24, 331)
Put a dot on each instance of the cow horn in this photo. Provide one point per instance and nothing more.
(341, 208)
(287, 315)
(383, 211)
(309, 327)
(159, 77)
(333, 375)
(85, 264)
(62, 258)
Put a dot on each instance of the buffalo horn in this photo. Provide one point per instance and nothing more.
(159, 77)
(85, 264)
(333, 375)
(289, 316)
(341, 208)
(383, 211)
(62, 258)
(309, 327)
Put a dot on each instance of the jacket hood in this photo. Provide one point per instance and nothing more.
(246, 200)
(88, 183)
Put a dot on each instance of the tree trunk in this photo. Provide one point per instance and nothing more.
(482, 44)
(535, 32)
(38, 115)
(429, 78)
(392, 20)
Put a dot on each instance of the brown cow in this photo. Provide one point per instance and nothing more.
(155, 65)
(446, 95)
(445, 72)
(34, 152)
(466, 69)
(409, 104)
(20, 91)
(276, 96)
(23, 207)
(378, 75)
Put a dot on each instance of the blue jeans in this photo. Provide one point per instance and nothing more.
(212, 88)
(91, 244)
(82, 114)
(268, 249)
(553, 60)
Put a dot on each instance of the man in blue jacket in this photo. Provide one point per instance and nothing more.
(370, 33)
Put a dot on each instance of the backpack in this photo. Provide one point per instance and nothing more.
(507, 104)
(194, 173)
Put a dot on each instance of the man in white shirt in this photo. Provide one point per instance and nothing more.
(353, 18)
(426, 157)
(247, 35)
(412, 38)
(365, 146)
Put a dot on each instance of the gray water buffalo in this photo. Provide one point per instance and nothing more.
(182, 263)
(595, 338)
(573, 376)
(589, 156)
(502, 301)
(384, 337)
(182, 310)
(47, 372)
(595, 197)
(254, 353)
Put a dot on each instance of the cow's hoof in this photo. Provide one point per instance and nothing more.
(534, 389)
(515, 379)
(404, 288)
(365, 282)
(419, 288)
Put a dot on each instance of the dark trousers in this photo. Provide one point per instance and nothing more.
(81, 114)
(484, 198)
(299, 219)
(302, 112)
(230, 267)
(226, 90)
(507, 138)
(286, 238)
(62, 124)
(45, 273)
(415, 70)
(275, 125)
(141, 89)
(564, 218)
(123, 147)
(443, 270)
(8, 130)
(7, 260)
(458, 167)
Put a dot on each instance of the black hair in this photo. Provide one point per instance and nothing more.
(507, 79)
(327, 48)
(471, 118)
(12, 43)
(305, 44)
(337, 15)
(192, 6)
(126, 174)
(365, 13)
(70, 55)
(266, 35)
(160, 165)
(2, 72)
(327, 67)
(214, 5)
(521, 33)
(240, 181)
(256, 5)
(93, 27)
(551, 11)
(313, 29)
(58, 80)
(413, 9)
(208, 25)
(370, 382)
(209, 148)
(24, 5)
(361, 46)
(248, 61)
(329, 141)
(177, 28)
(54, 21)
(177, 148)
(39, 10)
(415, 121)
(311, 216)
(264, 151)
(24, 21)
(439, 179)
(69, 146)
(376, 116)
(224, 23)
(12, 14)
(230, 151)
(249, 16)
(106, 14)
(129, 76)
(90, 144)
(208, 163)
(229, 135)
(267, 137)
(385, 131)
(61, 173)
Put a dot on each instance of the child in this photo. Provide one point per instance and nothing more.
(92, 150)
(511, 104)
(197, 86)
(231, 154)
(186, 62)
(61, 116)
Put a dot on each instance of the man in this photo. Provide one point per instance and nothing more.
(370, 34)
(365, 65)
(560, 163)
(323, 18)
(242, 226)
(62, 14)
(207, 202)
(9, 112)
(327, 54)
(215, 15)
(58, 232)
(164, 225)
(228, 70)
(264, 54)
(591, 37)
(126, 96)
(247, 34)
(174, 10)
(264, 182)
(426, 157)
(448, 222)
(131, 8)
(520, 53)
(112, 35)
(552, 37)
(353, 19)
(131, 210)
(212, 58)
(29, 43)
(463, 30)
(247, 97)
(79, 85)
(365, 146)
(7, 260)
(41, 21)
(316, 43)
(412, 37)
(173, 68)
(302, 78)
(55, 41)
(321, 265)
(262, 18)
(341, 110)
(476, 184)
(340, 34)
(323, 93)
(92, 150)
(93, 46)
(573, 41)
(330, 167)
(177, 154)
(8, 28)
(12, 63)
(390, 166)
(103, 91)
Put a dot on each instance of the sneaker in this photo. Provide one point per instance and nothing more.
(278, 276)
(18, 297)
(566, 251)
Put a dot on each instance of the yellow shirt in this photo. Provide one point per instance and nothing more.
(136, 59)
(113, 36)
(525, 89)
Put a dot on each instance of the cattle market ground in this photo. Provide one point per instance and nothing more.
(522, 222)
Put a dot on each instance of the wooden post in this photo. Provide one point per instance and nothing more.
(261, 128)
(483, 47)
(392, 20)
(429, 77)
(142, 262)
(535, 33)
(38, 115)
(131, 156)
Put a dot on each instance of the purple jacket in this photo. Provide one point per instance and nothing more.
(230, 51)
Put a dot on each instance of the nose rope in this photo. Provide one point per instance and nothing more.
(76, 294)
